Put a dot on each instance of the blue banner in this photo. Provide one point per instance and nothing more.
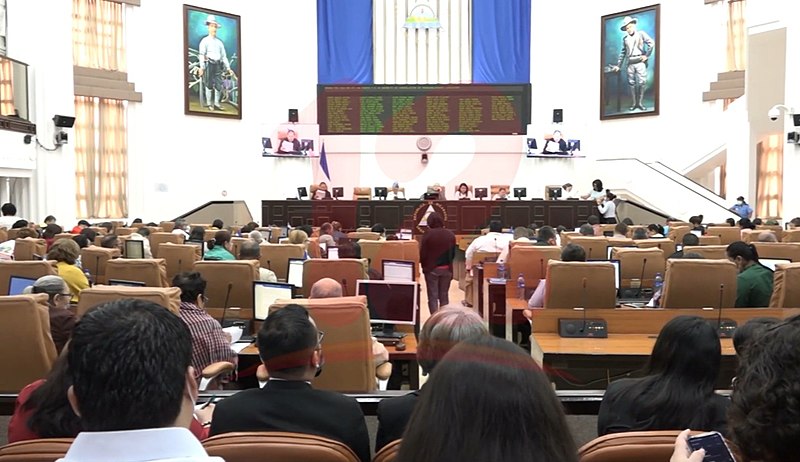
(501, 41)
(344, 41)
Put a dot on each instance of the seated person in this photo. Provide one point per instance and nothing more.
(586, 230)
(640, 234)
(251, 250)
(290, 144)
(442, 331)
(502, 194)
(730, 221)
(794, 223)
(143, 234)
(767, 236)
(437, 189)
(197, 234)
(567, 192)
(594, 222)
(353, 250)
(111, 241)
(463, 192)
(555, 144)
(321, 192)
(395, 192)
(62, 319)
(256, 236)
(290, 346)
(380, 229)
(132, 385)
(82, 224)
(65, 253)
(337, 231)
(546, 236)
(621, 231)
(217, 224)
(697, 224)
(219, 248)
(655, 231)
(688, 240)
(326, 235)
(180, 228)
(678, 390)
(571, 252)
(49, 233)
(7, 247)
(300, 237)
(754, 282)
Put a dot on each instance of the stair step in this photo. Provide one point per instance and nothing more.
(722, 94)
(730, 75)
(728, 85)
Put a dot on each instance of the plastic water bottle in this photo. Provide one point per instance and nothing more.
(658, 283)
(501, 270)
(521, 287)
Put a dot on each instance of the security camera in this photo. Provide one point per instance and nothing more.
(775, 111)
(61, 121)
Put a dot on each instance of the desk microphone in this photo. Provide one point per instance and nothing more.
(269, 265)
(641, 278)
(728, 326)
(97, 264)
(541, 268)
(225, 307)
(180, 265)
(584, 300)
(344, 287)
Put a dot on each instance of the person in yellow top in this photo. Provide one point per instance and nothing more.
(65, 252)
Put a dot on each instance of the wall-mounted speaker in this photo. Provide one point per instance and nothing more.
(294, 116)
(558, 116)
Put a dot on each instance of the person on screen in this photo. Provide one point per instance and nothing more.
(502, 194)
(321, 192)
(214, 65)
(463, 192)
(555, 145)
(290, 144)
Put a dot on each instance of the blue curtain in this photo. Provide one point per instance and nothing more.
(501, 41)
(344, 41)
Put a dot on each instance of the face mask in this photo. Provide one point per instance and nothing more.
(740, 202)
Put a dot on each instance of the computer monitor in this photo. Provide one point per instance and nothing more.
(696, 232)
(295, 272)
(405, 235)
(554, 193)
(302, 192)
(381, 192)
(532, 144)
(431, 196)
(124, 283)
(771, 262)
(306, 145)
(134, 249)
(519, 193)
(481, 193)
(200, 245)
(397, 270)
(17, 284)
(266, 145)
(333, 253)
(265, 294)
(390, 303)
(338, 192)
(574, 145)
(617, 273)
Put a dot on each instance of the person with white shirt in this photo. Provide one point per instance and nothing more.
(214, 64)
(493, 241)
(462, 193)
(9, 217)
(608, 208)
(567, 192)
(597, 191)
(502, 194)
(395, 193)
(132, 385)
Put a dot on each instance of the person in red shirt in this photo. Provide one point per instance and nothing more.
(437, 250)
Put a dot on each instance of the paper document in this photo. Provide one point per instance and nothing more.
(235, 333)
(238, 347)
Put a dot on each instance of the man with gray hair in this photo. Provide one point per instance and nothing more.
(251, 250)
(256, 236)
(62, 320)
(767, 236)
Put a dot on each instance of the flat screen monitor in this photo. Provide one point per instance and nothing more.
(574, 145)
(381, 192)
(771, 262)
(200, 245)
(302, 192)
(265, 294)
(266, 143)
(124, 283)
(390, 302)
(333, 253)
(555, 193)
(532, 144)
(338, 192)
(481, 193)
(617, 273)
(519, 193)
(17, 285)
(306, 145)
(696, 232)
(295, 272)
(134, 249)
(397, 270)
(431, 196)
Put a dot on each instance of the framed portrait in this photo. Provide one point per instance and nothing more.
(629, 63)
(212, 51)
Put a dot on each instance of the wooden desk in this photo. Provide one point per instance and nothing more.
(615, 344)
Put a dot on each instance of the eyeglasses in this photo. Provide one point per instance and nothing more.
(64, 295)
(320, 336)
(204, 299)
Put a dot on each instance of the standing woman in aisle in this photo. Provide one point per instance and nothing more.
(607, 208)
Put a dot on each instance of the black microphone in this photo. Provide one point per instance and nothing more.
(269, 265)
(585, 300)
(97, 264)
(641, 278)
(180, 265)
(225, 307)
(719, 315)
(541, 268)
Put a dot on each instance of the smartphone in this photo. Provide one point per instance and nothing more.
(716, 448)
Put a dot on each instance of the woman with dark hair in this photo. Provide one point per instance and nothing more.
(754, 282)
(459, 417)
(197, 234)
(608, 208)
(597, 191)
(655, 231)
(745, 223)
(437, 249)
(678, 390)
(439, 334)
(463, 192)
(219, 247)
(49, 233)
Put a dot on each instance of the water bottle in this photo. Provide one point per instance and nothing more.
(501, 270)
(658, 283)
(521, 287)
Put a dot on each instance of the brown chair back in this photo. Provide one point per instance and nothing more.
(596, 247)
(179, 258)
(676, 233)
(727, 234)
(26, 249)
(531, 262)
(666, 245)
(124, 231)
(621, 242)
(229, 282)
(653, 446)
(696, 283)
(364, 235)
(790, 235)
(349, 363)
(377, 251)
(63, 236)
(27, 351)
(236, 243)
(42, 450)
(778, 250)
(11, 233)
(786, 289)
(631, 261)
(156, 239)
(167, 226)
(564, 285)
(710, 240)
(151, 271)
(95, 259)
(360, 192)
(709, 252)
(168, 297)
(777, 229)
(275, 257)
(209, 234)
(566, 237)
(314, 250)
(99, 230)
(345, 270)
(296, 447)
(24, 269)
(752, 235)
(388, 453)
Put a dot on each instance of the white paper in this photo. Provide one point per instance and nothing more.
(235, 333)
(238, 347)
(287, 146)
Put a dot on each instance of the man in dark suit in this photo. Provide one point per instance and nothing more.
(290, 346)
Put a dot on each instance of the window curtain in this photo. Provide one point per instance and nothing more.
(769, 177)
(737, 36)
(344, 41)
(501, 41)
(6, 87)
(85, 149)
(98, 35)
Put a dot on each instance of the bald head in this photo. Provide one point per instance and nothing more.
(326, 288)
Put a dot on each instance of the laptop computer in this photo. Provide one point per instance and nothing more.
(17, 285)
(397, 270)
(134, 249)
(294, 274)
(772, 262)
